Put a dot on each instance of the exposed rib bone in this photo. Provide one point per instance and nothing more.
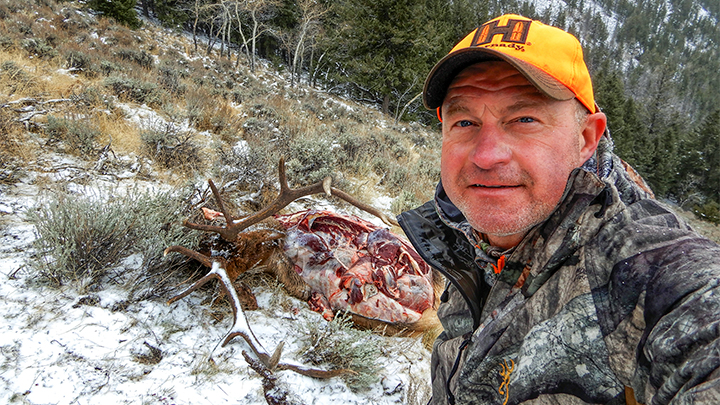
(230, 231)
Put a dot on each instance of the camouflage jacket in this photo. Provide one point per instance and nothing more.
(613, 296)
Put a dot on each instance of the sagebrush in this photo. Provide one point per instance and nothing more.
(339, 345)
(82, 239)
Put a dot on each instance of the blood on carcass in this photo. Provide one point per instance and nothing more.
(340, 263)
(353, 265)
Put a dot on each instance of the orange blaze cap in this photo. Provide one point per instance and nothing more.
(550, 58)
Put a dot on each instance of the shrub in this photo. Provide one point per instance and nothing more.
(254, 127)
(70, 20)
(397, 178)
(340, 346)
(311, 160)
(38, 48)
(134, 90)
(140, 57)
(12, 70)
(170, 80)
(393, 175)
(15, 77)
(171, 147)
(390, 142)
(78, 135)
(209, 113)
(82, 238)
(709, 211)
(425, 139)
(123, 11)
(354, 148)
(107, 67)
(196, 102)
(246, 166)
(88, 98)
(6, 43)
(12, 147)
(78, 60)
(405, 201)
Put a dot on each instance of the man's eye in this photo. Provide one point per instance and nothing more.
(464, 123)
(526, 120)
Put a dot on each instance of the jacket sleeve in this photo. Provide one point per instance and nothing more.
(681, 343)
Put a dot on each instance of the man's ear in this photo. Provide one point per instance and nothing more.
(591, 134)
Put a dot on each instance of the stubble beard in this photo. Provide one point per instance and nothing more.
(501, 223)
(503, 220)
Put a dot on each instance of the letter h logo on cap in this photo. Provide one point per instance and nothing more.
(516, 31)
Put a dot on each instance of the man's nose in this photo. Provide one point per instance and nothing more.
(491, 148)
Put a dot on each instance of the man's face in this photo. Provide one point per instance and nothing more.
(508, 150)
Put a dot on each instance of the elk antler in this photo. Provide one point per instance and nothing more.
(233, 227)
(240, 325)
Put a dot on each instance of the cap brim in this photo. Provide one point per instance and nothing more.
(448, 67)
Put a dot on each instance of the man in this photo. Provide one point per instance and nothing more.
(567, 282)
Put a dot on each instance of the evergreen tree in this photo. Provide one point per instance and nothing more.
(384, 48)
(123, 11)
(663, 175)
(709, 136)
(610, 97)
(172, 13)
(632, 142)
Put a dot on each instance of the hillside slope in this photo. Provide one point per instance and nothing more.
(108, 136)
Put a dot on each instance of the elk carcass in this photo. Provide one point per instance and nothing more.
(335, 262)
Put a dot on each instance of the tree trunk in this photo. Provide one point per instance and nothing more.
(298, 48)
(386, 104)
(254, 41)
(242, 36)
(222, 35)
(195, 24)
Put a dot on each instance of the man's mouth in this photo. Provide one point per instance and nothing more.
(493, 186)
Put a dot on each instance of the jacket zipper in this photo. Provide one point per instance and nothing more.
(463, 345)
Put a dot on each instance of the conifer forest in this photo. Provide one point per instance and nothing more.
(655, 63)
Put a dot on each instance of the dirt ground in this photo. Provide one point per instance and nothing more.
(705, 228)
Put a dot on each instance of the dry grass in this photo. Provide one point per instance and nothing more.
(17, 76)
(365, 153)
(122, 135)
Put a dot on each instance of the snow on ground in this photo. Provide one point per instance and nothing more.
(61, 347)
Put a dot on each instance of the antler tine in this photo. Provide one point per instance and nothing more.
(286, 196)
(228, 216)
(240, 325)
(365, 207)
(207, 261)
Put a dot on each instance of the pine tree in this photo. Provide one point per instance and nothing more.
(382, 49)
(172, 13)
(663, 175)
(610, 96)
(709, 136)
(123, 11)
(632, 140)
